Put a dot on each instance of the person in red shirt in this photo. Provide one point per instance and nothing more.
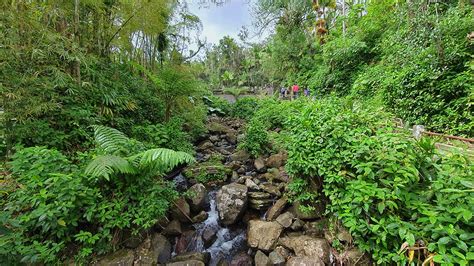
(296, 88)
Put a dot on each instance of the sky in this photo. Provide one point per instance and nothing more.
(219, 21)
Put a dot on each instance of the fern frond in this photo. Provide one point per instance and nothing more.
(105, 165)
(161, 158)
(109, 139)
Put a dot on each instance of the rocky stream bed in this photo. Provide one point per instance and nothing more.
(244, 219)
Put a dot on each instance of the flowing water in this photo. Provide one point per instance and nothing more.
(229, 241)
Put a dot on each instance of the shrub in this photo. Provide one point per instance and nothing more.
(245, 107)
(212, 170)
(256, 140)
(385, 187)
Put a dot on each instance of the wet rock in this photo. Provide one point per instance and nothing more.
(200, 217)
(354, 256)
(242, 259)
(181, 211)
(181, 183)
(187, 263)
(270, 188)
(197, 195)
(285, 219)
(209, 235)
(276, 209)
(250, 184)
(311, 215)
(304, 261)
(276, 160)
(297, 225)
(231, 202)
(240, 155)
(263, 235)
(196, 256)
(173, 228)
(259, 165)
(307, 246)
(261, 259)
(123, 257)
(276, 259)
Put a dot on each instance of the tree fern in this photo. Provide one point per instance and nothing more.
(110, 139)
(106, 165)
(165, 158)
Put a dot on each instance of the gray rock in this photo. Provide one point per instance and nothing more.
(250, 184)
(304, 261)
(231, 202)
(308, 246)
(123, 257)
(173, 228)
(276, 209)
(285, 219)
(276, 259)
(276, 160)
(153, 251)
(200, 217)
(259, 200)
(270, 188)
(263, 235)
(240, 155)
(297, 225)
(205, 145)
(197, 195)
(209, 235)
(259, 165)
(261, 259)
(196, 256)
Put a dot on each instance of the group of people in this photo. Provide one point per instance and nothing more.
(293, 92)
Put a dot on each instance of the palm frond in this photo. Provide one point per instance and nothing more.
(161, 158)
(105, 165)
(110, 139)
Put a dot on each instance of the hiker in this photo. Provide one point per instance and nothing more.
(283, 92)
(306, 92)
(296, 88)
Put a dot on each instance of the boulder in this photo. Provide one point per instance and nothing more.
(184, 242)
(263, 235)
(197, 196)
(231, 137)
(240, 155)
(187, 263)
(282, 251)
(133, 240)
(261, 259)
(231, 202)
(304, 261)
(205, 145)
(123, 257)
(276, 259)
(276, 209)
(241, 259)
(181, 211)
(285, 219)
(260, 200)
(259, 165)
(173, 228)
(275, 160)
(318, 229)
(209, 235)
(251, 184)
(308, 246)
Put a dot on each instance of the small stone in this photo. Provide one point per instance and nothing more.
(206, 145)
(201, 217)
(240, 155)
(276, 209)
(297, 225)
(259, 165)
(305, 261)
(214, 138)
(197, 256)
(270, 188)
(187, 263)
(250, 184)
(261, 259)
(285, 219)
(276, 259)
(241, 259)
(276, 160)
(283, 252)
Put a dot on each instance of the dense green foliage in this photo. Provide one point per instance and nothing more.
(60, 208)
(383, 185)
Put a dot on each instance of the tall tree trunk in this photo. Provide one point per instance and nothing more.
(77, 64)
